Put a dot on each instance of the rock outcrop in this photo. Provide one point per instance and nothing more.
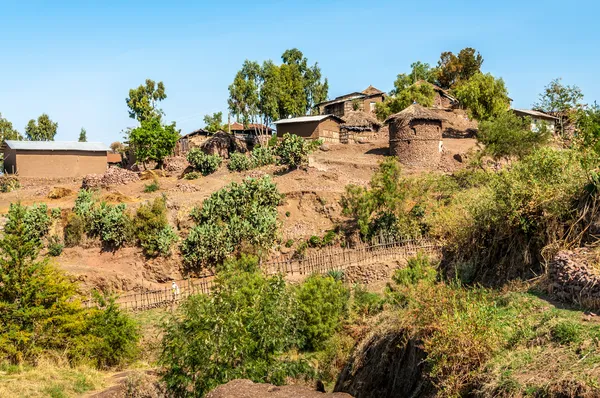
(574, 278)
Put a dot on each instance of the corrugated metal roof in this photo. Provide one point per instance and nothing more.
(56, 146)
(531, 112)
(305, 119)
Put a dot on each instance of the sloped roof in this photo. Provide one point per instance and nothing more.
(371, 91)
(415, 111)
(56, 146)
(307, 119)
(360, 119)
(533, 113)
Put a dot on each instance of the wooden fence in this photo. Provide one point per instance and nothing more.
(323, 261)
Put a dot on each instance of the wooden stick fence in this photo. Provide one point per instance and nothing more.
(323, 261)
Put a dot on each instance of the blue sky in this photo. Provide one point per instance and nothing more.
(76, 60)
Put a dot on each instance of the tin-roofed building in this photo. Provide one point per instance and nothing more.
(54, 159)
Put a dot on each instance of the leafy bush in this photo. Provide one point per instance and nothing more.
(289, 243)
(74, 230)
(236, 216)
(37, 221)
(293, 150)
(152, 229)
(111, 224)
(205, 164)
(567, 332)
(314, 241)
(153, 187)
(84, 203)
(240, 331)
(239, 162)
(56, 213)
(55, 246)
(329, 238)
(9, 183)
(322, 304)
(417, 269)
(192, 175)
(262, 156)
(365, 303)
(40, 308)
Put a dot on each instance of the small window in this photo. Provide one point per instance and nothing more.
(372, 106)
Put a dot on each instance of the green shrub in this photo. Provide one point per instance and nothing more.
(336, 274)
(314, 241)
(9, 183)
(205, 164)
(111, 224)
(37, 221)
(293, 150)
(272, 141)
(289, 243)
(287, 214)
(240, 331)
(192, 175)
(84, 203)
(55, 246)
(567, 332)
(153, 187)
(56, 213)
(239, 162)
(262, 156)
(329, 238)
(322, 304)
(417, 269)
(301, 250)
(74, 230)
(239, 215)
(152, 229)
(365, 303)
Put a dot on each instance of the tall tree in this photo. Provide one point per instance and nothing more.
(559, 100)
(484, 96)
(453, 69)
(82, 135)
(153, 141)
(214, 122)
(42, 130)
(7, 132)
(243, 99)
(143, 101)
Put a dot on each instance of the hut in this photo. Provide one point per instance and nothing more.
(416, 136)
(358, 126)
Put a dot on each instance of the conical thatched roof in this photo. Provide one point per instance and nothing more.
(372, 91)
(360, 120)
(415, 111)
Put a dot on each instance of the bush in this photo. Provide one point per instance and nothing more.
(567, 332)
(192, 175)
(205, 164)
(84, 203)
(293, 150)
(239, 215)
(262, 156)
(37, 222)
(153, 187)
(322, 304)
(111, 224)
(9, 183)
(152, 229)
(55, 246)
(239, 332)
(239, 162)
(417, 269)
(365, 303)
(329, 238)
(314, 241)
(289, 243)
(74, 230)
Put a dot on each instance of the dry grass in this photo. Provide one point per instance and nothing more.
(51, 378)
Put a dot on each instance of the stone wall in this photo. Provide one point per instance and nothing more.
(574, 278)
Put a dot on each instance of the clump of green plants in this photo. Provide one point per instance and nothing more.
(239, 162)
(41, 311)
(37, 221)
(9, 183)
(262, 156)
(152, 229)
(314, 241)
(383, 209)
(240, 331)
(365, 303)
(84, 203)
(322, 304)
(111, 223)
(293, 150)
(239, 215)
(152, 187)
(192, 175)
(55, 246)
(74, 230)
(205, 164)
(289, 243)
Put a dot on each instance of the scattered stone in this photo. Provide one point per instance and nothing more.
(176, 164)
(183, 187)
(324, 147)
(112, 176)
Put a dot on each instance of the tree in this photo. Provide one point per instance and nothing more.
(269, 92)
(484, 96)
(42, 130)
(453, 69)
(559, 100)
(83, 135)
(214, 122)
(509, 135)
(7, 132)
(117, 147)
(419, 71)
(143, 101)
(422, 94)
(153, 141)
